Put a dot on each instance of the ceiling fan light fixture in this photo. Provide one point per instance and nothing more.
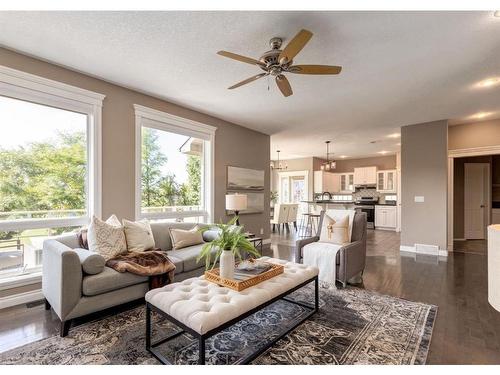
(276, 62)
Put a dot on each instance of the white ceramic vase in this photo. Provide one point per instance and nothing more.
(226, 264)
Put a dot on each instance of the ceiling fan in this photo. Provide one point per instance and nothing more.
(276, 62)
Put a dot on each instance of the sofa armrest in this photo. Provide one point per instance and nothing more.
(62, 277)
(92, 263)
(300, 244)
(353, 258)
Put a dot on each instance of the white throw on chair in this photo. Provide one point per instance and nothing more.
(292, 214)
(280, 215)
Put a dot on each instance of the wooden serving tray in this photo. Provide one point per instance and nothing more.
(239, 285)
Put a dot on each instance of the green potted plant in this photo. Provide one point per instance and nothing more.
(228, 245)
(274, 198)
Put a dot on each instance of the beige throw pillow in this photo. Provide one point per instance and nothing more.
(335, 230)
(106, 237)
(183, 238)
(139, 235)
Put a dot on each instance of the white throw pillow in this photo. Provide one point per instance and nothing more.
(184, 238)
(139, 235)
(335, 230)
(338, 214)
(106, 237)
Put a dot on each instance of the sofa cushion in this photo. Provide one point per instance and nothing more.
(179, 264)
(161, 233)
(337, 258)
(188, 256)
(109, 280)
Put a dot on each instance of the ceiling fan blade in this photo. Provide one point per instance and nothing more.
(314, 69)
(237, 57)
(284, 85)
(248, 80)
(295, 46)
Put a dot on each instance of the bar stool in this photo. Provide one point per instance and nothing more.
(310, 221)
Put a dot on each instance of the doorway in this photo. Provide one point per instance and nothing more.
(476, 202)
(293, 188)
(470, 198)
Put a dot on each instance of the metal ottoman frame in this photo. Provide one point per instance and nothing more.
(152, 346)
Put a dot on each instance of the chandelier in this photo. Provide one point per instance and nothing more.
(328, 165)
(277, 165)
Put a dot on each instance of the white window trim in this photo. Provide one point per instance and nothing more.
(172, 123)
(24, 86)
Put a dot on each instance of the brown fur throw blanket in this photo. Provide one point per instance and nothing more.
(153, 263)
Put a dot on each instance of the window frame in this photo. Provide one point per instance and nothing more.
(159, 120)
(27, 87)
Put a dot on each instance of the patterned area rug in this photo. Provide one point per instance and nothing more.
(353, 326)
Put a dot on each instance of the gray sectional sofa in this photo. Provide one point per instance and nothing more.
(75, 281)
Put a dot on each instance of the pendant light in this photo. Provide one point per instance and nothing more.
(328, 165)
(277, 165)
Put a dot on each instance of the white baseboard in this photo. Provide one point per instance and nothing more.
(21, 298)
(412, 249)
(388, 229)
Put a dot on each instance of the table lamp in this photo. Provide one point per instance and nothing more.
(236, 203)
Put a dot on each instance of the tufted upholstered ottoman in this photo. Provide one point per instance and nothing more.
(202, 309)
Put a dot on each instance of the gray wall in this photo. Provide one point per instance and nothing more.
(478, 134)
(381, 162)
(234, 145)
(424, 173)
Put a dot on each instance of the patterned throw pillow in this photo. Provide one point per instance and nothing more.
(106, 238)
(139, 235)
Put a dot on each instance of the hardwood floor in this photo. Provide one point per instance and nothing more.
(467, 329)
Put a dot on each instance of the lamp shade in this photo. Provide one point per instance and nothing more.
(236, 202)
(494, 266)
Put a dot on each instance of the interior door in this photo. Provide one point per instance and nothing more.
(475, 195)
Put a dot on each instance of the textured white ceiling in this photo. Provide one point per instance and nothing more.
(398, 68)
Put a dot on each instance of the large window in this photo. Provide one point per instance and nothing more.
(48, 167)
(174, 168)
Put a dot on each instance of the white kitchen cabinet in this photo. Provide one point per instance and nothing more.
(386, 181)
(326, 181)
(385, 217)
(365, 176)
(346, 182)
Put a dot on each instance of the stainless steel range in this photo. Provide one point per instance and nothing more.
(367, 204)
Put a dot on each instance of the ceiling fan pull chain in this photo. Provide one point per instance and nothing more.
(268, 83)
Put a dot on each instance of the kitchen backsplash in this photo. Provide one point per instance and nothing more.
(364, 193)
(370, 193)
